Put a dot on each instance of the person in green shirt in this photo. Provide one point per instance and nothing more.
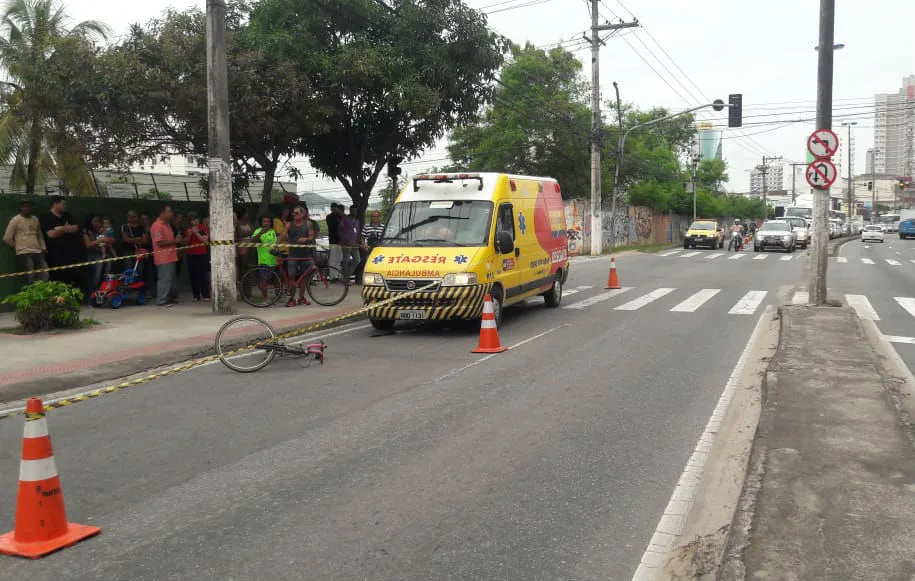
(266, 256)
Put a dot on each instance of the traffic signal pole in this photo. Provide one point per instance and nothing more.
(817, 282)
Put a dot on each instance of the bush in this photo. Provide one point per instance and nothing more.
(43, 306)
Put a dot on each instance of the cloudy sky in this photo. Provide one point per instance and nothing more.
(683, 55)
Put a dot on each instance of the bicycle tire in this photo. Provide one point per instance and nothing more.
(223, 349)
(251, 280)
(323, 277)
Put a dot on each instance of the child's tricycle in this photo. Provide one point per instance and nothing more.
(116, 288)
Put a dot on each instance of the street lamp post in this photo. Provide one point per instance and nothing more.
(850, 189)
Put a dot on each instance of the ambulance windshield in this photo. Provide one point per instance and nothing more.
(439, 223)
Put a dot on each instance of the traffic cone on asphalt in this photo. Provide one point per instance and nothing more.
(41, 525)
(612, 281)
(489, 335)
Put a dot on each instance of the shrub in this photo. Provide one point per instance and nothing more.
(43, 306)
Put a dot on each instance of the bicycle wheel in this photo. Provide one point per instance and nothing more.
(327, 286)
(234, 338)
(261, 287)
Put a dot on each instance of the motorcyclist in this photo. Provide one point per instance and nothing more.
(737, 227)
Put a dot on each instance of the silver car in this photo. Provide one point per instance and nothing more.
(801, 233)
(775, 234)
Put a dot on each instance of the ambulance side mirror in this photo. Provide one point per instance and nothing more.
(505, 243)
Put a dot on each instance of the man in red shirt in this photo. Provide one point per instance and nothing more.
(165, 256)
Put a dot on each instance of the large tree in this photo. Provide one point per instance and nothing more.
(538, 123)
(157, 95)
(396, 77)
(42, 55)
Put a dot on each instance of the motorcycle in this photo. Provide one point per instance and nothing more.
(736, 241)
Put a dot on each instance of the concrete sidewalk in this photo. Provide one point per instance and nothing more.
(831, 489)
(130, 340)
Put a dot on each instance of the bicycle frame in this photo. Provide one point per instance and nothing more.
(300, 280)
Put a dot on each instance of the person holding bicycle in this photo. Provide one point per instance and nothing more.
(266, 255)
(299, 231)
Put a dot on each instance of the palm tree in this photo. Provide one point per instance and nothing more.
(31, 141)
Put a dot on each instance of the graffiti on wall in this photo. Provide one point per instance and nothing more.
(631, 225)
(644, 225)
(578, 225)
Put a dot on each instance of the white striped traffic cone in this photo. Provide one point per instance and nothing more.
(489, 335)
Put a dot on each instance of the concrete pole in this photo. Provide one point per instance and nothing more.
(222, 219)
(817, 283)
(596, 226)
(619, 161)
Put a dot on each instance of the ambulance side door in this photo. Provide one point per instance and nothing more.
(507, 262)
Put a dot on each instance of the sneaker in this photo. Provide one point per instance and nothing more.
(304, 301)
(290, 303)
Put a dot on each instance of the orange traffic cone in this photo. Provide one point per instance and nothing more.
(612, 281)
(489, 335)
(41, 521)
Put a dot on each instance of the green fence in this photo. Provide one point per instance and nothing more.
(80, 207)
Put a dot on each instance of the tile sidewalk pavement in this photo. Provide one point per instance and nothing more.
(129, 340)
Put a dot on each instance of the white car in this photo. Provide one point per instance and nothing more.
(872, 234)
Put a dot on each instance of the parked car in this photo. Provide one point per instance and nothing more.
(872, 234)
(775, 234)
(907, 229)
(799, 225)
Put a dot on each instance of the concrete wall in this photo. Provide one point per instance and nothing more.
(634, 225)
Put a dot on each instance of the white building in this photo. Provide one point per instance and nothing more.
(894, 130)
(775, 179)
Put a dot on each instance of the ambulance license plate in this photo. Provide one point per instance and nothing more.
(411, 315)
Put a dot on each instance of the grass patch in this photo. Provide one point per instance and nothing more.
(19, 330)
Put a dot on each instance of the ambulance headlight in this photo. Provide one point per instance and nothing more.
(460, 279)
(372, 279)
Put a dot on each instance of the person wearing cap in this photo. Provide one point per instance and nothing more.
(23, 233)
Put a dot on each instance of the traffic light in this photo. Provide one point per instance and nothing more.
(735, 110)
(393, 169)
(870, 186)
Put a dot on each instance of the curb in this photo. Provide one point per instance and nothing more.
(129, 366)
(836, 244)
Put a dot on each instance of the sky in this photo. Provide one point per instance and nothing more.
(681, 56)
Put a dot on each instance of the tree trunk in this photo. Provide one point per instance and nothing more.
(31, 174)
(269, 175)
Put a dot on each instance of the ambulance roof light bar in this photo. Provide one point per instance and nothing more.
(446, 179)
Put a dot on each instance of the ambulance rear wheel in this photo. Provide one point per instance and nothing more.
(553, 297)
(382, 324)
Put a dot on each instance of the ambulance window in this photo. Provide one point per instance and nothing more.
(506, 220)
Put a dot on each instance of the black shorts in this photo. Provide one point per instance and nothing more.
(296, 266)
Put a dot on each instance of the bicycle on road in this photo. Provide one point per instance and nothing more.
(262, 286)
(246, 344)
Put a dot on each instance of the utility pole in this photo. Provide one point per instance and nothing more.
(794, 167)
(696, 156)
(222, 219)
(597, 123)
(764, 169)
(818, 262)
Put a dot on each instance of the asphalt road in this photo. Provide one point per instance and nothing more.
(408, 457)
(878, 280)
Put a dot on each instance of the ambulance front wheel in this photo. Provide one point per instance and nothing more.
(381, 324)
(496, 294)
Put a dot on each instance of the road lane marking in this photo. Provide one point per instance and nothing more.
(867, 246)
(690, 254)
(670, 253)
(801, 298)
(906, 303)
(761, 257)
(584, 286)
(863, 307)
(716, 255)
(670, 526)
(867, 261)
(749, 303)
(892, 262)
(491, 355)
(898, 339)
(912, 261)
(736, 256)
(844, 259)
(598, 298)
(691, 304)
(789, 257)
(645, 299)
(569, 293)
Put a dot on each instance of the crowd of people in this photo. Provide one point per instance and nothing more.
(173, 239)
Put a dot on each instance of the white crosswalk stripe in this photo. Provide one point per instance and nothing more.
(863, 307)
(585, 303)
(761, 257)
(892, 262)
(716, 255)
(736, 256)
(912, 261)
(669, 253)
(568, 293)
(693, 303)
(906, 303)
(867, 261)
(749, 303)
(584, 286)
(786, 258)
(801, 298)
(645, 299)
(845, 259)
(690, 254)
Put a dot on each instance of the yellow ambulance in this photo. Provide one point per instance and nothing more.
(459, 236)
